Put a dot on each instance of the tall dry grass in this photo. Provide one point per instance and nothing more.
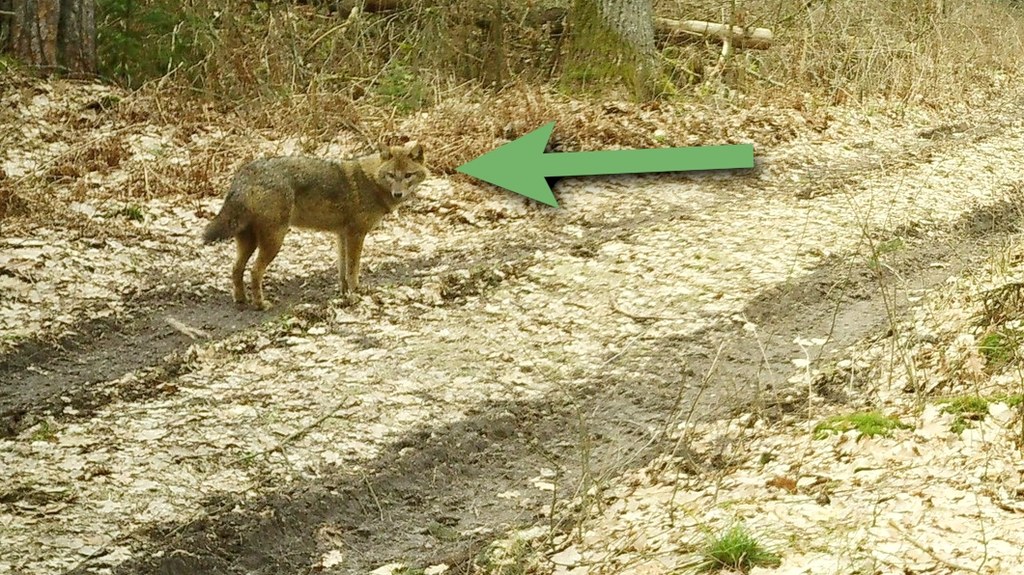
(284, 65)
(304, 69)
(928, 51)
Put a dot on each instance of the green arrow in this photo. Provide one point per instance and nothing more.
(520, 166)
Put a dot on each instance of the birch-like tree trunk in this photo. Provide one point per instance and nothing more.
(633, 20)
(612, 41)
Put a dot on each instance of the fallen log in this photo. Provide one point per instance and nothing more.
(755, 38)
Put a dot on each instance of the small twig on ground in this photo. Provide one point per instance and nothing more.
(298, 434)
(765, 78)
(192, 332)
(376, 500)
(674, 422)
(930, 552)
(639, 317)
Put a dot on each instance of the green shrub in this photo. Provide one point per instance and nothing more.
(138, 41)
(403, 88)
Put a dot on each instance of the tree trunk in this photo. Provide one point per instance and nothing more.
(55, 35)
(633, 20)
(494, 63)
(6, 17)
(34, 32)
(612, 41)
(77, 37)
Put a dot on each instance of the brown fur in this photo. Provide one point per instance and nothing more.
(269, 196)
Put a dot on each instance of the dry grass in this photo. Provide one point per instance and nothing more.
(248, 57)
(848, 51)
(291, 72)
(458, 129)
(297, 71)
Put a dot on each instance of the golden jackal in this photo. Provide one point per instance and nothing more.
(348, 198)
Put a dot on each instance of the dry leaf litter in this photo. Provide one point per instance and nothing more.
(924, 500)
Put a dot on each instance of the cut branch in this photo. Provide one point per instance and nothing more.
(756, 38)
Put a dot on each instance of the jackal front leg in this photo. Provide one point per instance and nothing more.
(341, 262)
(348, 259)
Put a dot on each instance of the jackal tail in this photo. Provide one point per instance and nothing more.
(226, 225)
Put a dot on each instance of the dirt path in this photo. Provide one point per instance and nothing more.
(509, 357)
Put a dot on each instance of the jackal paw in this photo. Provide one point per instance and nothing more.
(358, 289)
(347, 300)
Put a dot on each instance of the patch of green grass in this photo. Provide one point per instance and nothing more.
(8, 63)
(882, 249)
(11, 337)
(970, 408)
(736, 549)
(45, 432)
(998, 348)
(868, 423)
(443, 532)
(132, 212)
(889, 246)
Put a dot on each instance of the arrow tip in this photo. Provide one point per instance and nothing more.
(515, 167)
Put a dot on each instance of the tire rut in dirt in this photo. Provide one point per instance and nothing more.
(849, 298)
(416, 499)
(77, 371)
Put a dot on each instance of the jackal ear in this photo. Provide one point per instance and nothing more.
(415, 151)
(385, 151)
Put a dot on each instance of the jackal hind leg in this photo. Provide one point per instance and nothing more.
(245, 245)
(270, 241)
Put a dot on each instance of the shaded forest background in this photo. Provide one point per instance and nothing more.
(410, 53)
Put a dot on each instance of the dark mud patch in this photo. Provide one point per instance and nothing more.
(46, 377)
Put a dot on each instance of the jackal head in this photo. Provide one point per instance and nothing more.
(402, 169)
